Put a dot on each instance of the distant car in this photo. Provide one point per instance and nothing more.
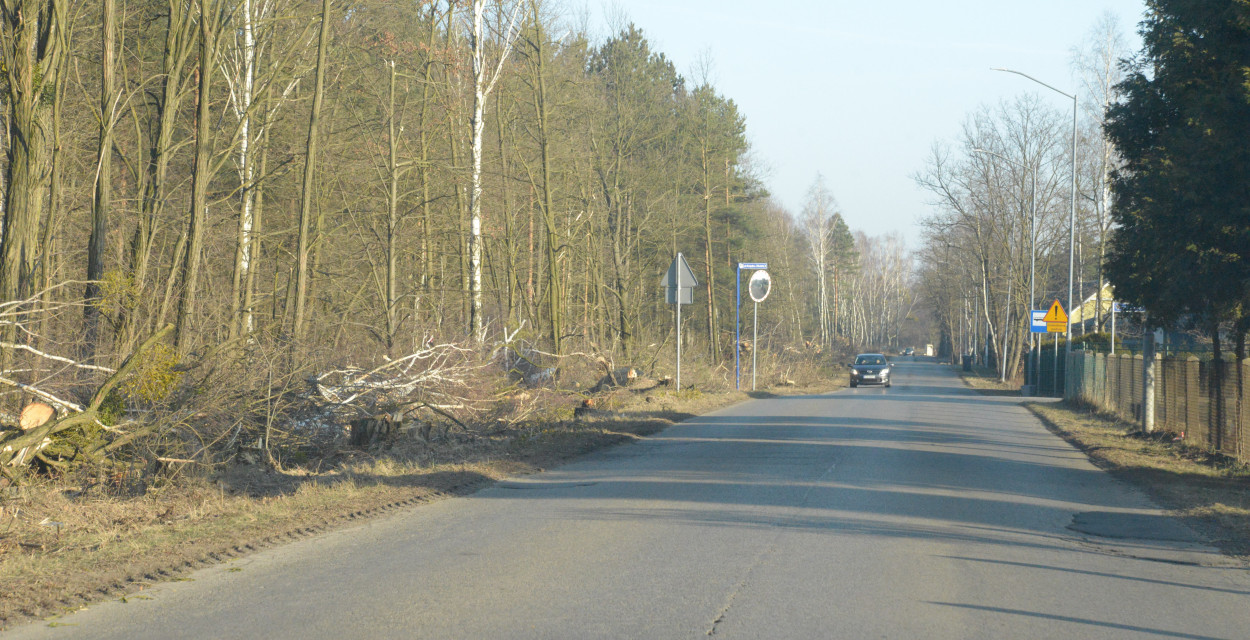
(870, 368)
(909, 351)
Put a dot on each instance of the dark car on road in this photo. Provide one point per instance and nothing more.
(870, 368)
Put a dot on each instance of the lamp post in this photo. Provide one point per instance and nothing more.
(1067, 347)
(1032, 242)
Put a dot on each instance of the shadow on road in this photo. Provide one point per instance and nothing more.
(982, 473)
(1085, 621)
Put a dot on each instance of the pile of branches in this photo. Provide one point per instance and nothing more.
(437, 377)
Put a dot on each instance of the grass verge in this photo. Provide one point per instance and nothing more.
(63, 547)
(986, 382)
(1209, 493)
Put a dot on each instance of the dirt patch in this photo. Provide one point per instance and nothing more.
(1209, 493)
(65, 545)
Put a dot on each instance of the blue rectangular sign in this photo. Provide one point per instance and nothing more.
(1038, 324)
(752, 265)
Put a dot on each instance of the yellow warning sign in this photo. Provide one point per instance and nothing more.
(1056, 319)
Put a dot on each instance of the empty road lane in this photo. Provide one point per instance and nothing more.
(924, 510)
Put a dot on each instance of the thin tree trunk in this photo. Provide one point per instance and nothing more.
(462, 209)
(477, 125)
(256, 245)
(482, 87)
(209, 16)
(392, 220)
(713, 337)
(104, 177)
(555, 292)
(310, 165)
(510, 268)
(180, 39)
(424, 280)
(240, 312)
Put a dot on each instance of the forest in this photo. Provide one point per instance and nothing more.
(216, 210)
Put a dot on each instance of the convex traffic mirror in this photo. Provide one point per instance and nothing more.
(759, 286)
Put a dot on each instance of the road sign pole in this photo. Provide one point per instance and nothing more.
(738, 318)
(679, 342)
(679, 283)
(755, 342)
(738, 328)
(1054, 385)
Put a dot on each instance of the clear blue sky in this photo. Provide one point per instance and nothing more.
(859, 90)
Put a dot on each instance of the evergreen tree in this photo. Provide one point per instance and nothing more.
(1182, 196)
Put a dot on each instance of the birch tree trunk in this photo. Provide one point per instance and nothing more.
(243, 96)
(482, 86)
(475, 189)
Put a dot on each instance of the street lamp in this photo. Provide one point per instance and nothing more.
(1032, 243)
(1067, 347)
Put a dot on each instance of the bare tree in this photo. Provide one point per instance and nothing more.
(252, 70)
(179, 42)
(211, 19)
(983, 196)
(538, 52)
(1097, 63)
(310, 166)
(820, 222)
(104, 169)
(483, 84)
(31, 48)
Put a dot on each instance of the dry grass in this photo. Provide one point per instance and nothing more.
(64, 546)
(1210, 493)
(986, 382)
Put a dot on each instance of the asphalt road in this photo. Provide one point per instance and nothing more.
(920, 511)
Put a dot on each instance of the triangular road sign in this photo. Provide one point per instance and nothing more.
(1056, 320)
(679, 275)
(1056, 314)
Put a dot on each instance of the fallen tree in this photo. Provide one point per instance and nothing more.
(13, 444)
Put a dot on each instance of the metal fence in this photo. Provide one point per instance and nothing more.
(1051, 375)
(1186, 402)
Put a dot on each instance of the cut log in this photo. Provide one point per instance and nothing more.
(34, 415)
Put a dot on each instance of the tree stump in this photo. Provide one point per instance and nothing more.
(367, 431)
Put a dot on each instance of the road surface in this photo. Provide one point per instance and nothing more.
(924, 510)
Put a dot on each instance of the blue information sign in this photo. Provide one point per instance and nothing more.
(1038, 324)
